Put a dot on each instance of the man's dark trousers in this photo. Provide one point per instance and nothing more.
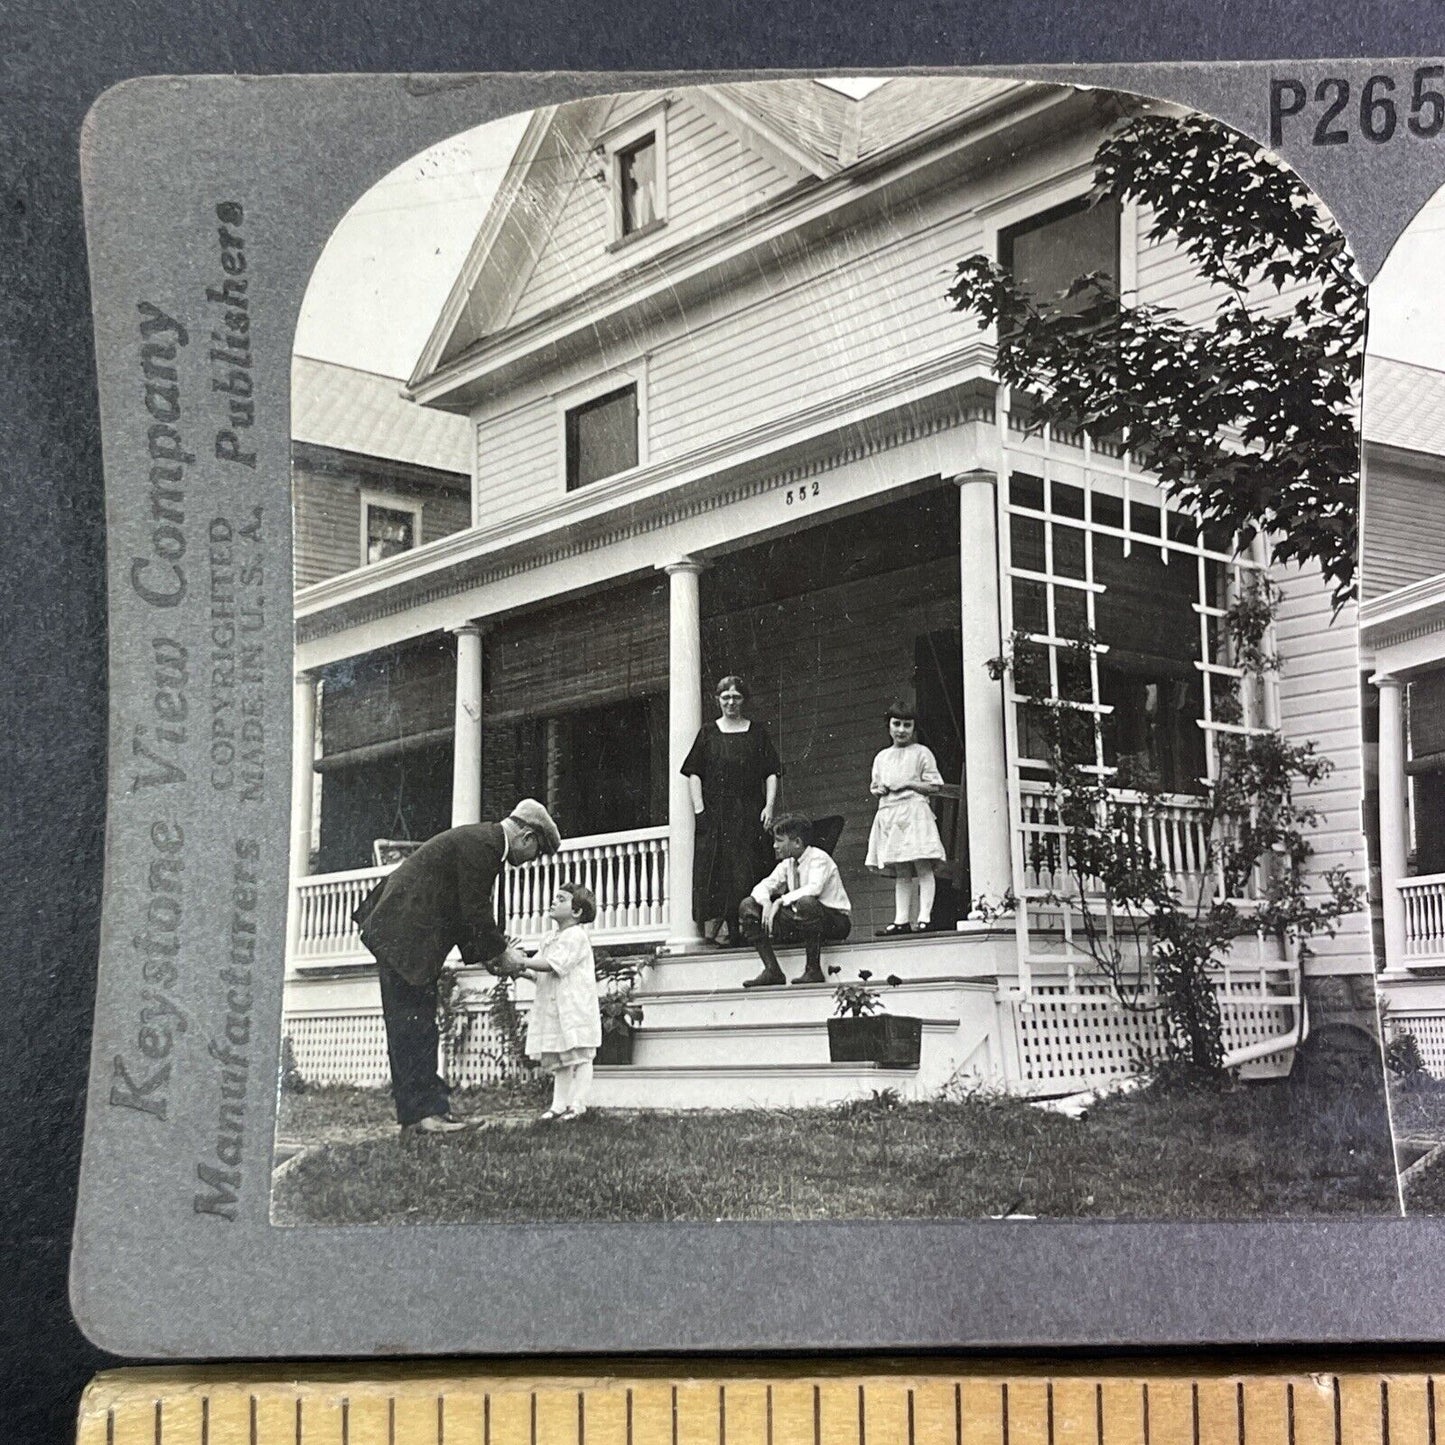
(410, 1011)
(807, 922)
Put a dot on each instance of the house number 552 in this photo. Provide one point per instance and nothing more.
(803, 493)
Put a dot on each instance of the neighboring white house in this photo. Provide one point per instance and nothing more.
(722, 418)
(1402, 640)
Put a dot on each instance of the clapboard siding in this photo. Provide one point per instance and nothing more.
(519, 461)
(1167, 277)
(326, 511)
(1319, 687)
(877, 309)
(1404, 533)
(710, 176)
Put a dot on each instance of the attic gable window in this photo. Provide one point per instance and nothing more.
(602, 437)
(637, 184)
(636, 175)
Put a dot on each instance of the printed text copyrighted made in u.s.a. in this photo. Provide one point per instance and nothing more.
(204, 671)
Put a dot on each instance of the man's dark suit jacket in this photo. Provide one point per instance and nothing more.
(438, 899)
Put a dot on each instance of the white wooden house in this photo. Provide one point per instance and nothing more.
(723, 419)
(1402, 635)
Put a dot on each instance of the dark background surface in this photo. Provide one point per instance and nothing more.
(54, 60)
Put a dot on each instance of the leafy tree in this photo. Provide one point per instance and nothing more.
(1247, 416)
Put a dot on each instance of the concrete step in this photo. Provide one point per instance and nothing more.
(760, 1044)
(809, 1003)
(979, 953)
(773, 1086)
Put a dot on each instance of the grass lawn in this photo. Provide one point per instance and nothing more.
(1419, 1115)
(1294, 1148)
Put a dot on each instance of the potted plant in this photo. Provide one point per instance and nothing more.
(619, 1017)
(862, 1033)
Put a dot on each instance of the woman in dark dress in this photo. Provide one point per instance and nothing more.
(733, 770)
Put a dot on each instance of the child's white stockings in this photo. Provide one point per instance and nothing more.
(570, 1086)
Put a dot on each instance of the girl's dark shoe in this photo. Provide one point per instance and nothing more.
(894, 929)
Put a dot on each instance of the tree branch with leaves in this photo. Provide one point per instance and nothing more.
(1247, 415)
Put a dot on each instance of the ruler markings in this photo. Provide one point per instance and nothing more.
(1352, 1407)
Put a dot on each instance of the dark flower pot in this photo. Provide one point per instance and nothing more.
(616, 1046)
(892, 1040)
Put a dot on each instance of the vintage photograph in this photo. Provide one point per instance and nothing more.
(1402, 655)
(827, 674)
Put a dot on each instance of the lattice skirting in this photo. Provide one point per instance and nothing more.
(349, 1047)
(1083, 1037)
(1429, 1031)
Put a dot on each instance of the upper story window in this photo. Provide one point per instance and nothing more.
(637, 184)
(1050, 251)
(602, 436)
(389, 525)
(636, 155)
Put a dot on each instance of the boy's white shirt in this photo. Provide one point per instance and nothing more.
(813, 874)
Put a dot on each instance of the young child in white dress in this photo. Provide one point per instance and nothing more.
(905, 840)
(564, 1027)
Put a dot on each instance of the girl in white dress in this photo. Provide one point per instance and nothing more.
(564, 1026)
(905, 840)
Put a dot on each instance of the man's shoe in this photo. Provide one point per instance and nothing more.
(766, 979)
(811, 975)
(438, 1124)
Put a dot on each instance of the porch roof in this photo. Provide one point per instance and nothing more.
(358, 411)
(923, 411)
(1404, 405)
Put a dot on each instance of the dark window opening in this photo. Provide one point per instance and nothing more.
(602, 437)
(1049, 252)
(388, 532)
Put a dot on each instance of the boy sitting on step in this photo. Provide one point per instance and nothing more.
(801, 901)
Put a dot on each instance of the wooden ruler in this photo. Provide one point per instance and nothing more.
(747, 1403)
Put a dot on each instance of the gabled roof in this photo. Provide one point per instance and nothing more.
(361, 412)
(1404, 405)
(812, 131)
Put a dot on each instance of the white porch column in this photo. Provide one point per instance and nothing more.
(1393, 815)
(684, 718)
(985, 770)
(467, 737)
(303, 793)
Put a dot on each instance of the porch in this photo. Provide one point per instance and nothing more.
(830, 615)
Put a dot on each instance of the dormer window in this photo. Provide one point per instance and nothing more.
(637, 174)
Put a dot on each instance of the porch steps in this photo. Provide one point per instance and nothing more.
(926, 955)
(770, 1041)
(799, 1003)
(749, 1086)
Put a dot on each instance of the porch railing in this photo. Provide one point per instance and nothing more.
(627, 871)
(1424, 900)
(1175, 830)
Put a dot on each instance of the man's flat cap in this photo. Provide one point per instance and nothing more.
(531, 814)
